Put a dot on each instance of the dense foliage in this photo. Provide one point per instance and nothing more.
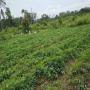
(27, 61)
(53, 55)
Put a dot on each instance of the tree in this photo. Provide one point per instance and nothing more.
(2, 13)
(8, 17)
(32, 17)
(2, 19)
(86, 9)
(25, 21)
(2, 4)
(44, 17)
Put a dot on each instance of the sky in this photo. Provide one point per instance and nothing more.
(50, 7)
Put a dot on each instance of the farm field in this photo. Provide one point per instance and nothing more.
(52, 59)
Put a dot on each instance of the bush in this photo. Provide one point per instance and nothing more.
(54, 68)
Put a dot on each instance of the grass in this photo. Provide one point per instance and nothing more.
(63, 21)
(80, 73)
(30, 61)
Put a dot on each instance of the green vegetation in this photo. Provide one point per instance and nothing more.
(46, 53)
(63, 21)
(38, 60)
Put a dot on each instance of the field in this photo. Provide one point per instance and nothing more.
(52, 59)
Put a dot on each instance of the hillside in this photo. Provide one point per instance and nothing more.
(70, 20)
(52, 59)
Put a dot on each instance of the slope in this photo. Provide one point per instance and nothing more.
(27, 61)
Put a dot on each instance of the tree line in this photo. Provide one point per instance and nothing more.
(28, 18)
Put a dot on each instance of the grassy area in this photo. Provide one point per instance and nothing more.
(63, 21)
(39, 60)
(80, 73)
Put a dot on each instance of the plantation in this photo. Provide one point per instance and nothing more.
(43, 60)
(44, 48)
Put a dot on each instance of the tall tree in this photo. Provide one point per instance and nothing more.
(2, 5)
(25, 21)
(8, 13)
(32, 17)
(2, 14)
(8, 16)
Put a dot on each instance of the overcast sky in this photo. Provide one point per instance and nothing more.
(50, 7)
